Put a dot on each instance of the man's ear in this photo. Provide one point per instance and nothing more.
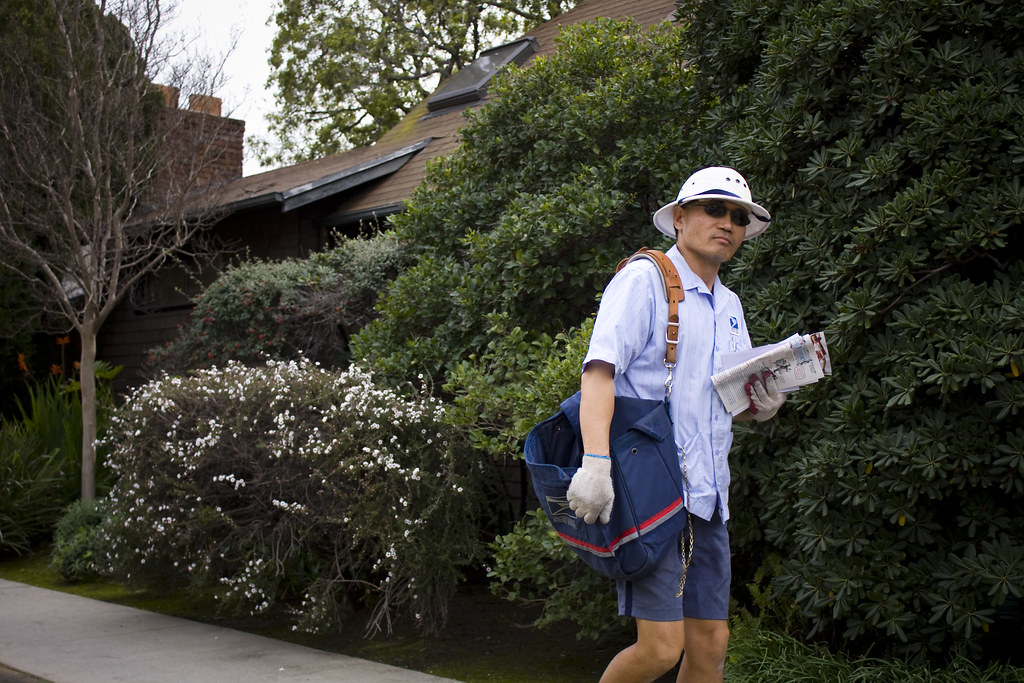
(677, 218)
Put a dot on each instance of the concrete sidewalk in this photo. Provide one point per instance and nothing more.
(64, 638)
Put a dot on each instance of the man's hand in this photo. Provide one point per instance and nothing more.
(590, 492)
(765, 397)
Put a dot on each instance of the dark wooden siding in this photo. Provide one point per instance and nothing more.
(133, 329)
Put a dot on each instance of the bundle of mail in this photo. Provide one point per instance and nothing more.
(796, 361)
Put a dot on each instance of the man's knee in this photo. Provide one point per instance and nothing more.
(662, 656)
(718, 637)
(660, 643)
(707, 641)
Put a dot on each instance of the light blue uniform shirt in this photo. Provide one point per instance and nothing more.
(629, 333)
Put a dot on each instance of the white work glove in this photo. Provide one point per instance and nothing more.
(590, 493)
(765, 397)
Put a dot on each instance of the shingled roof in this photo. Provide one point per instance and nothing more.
(372, 182)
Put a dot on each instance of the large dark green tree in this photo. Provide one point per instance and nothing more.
(346, 71)
(887, 137)
(887, 140)
(522, 225)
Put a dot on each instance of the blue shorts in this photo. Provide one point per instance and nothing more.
(706, 594)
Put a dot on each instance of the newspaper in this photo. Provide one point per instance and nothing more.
(796, 361)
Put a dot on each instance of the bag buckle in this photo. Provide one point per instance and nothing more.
(668, 380)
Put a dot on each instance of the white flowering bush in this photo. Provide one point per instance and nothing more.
(289, 485)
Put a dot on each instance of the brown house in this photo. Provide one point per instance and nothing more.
(292, 211)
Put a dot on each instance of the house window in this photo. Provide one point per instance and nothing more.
(469, 85)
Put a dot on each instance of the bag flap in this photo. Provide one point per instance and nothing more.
(657, 424)
(648, 416)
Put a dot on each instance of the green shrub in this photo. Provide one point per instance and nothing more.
(79, 544)
(532, 565)
(553, 183)
(41, 458)
(364, 267)
(287, 309)
(757, 654)
(31, 490)
(257, 310)
(518, 380)
(291, 484)
(53, 414)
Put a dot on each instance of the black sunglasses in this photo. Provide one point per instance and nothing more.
(716, 209)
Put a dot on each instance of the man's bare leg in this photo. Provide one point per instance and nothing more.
(659, 644)
(707, 642)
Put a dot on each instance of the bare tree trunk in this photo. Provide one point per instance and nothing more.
(89, 407)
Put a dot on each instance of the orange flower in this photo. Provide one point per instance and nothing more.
(56, 370)
(76, 365)
(63, 341)
(22, 365)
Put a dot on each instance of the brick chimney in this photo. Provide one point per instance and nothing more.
(220, 139)
(206, 147)
(204, 104)
(170, 95)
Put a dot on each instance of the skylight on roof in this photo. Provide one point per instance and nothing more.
(470, 83)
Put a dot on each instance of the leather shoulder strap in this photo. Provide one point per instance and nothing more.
(673, 294)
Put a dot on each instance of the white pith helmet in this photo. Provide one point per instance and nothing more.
(715, 182)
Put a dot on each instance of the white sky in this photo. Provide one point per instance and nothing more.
(212, 23)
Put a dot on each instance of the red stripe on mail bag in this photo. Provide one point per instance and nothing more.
(626, 536)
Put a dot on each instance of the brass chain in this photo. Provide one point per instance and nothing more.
(686, 548)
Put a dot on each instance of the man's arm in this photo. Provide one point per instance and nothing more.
(591, 493)
(597, 404)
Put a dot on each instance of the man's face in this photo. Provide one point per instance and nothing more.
(710, 239)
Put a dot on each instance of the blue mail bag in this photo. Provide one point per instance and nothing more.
(647, 514)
